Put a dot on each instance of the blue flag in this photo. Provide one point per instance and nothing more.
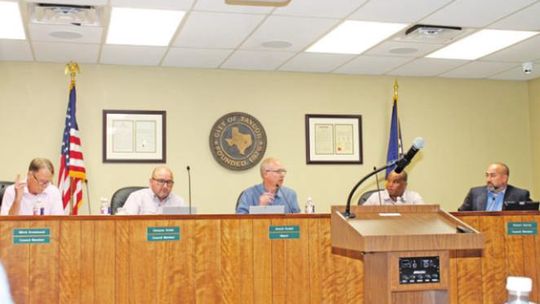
(395, 148)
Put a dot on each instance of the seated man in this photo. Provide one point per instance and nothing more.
(496, 191)
(396, 192)
(152, 200)
(34, 192)
(271, 191)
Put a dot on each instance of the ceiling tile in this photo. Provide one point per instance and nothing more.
(525, 20)
(371, 65)
(220, 6)
(299, 32)
(479, 69)
(528, 50)
(132, 55)
(256, 60)
(195, 58)
(65, 33)
(309, 8)
(401, 11)
(517, 73)
(220, 30)
(15, 50)
(403, 49)
(65, 52)
(154, 4)
(459, 12)
(426, 67)
(315, 62)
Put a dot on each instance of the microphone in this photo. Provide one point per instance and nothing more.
(418, 144)
(284, 197)
(378, 187)
(189, 187)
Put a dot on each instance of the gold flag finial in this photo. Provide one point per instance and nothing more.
(395, 90)
(72, 68)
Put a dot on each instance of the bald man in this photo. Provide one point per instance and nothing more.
(492, 196)
(151, 200)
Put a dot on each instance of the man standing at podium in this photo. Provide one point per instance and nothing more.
(497, 191)
(271, 191)
(395, 193)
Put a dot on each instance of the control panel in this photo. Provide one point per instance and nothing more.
(419, 270)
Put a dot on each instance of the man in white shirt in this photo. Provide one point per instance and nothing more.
(396, 192)
(35, 194)
(151, 200)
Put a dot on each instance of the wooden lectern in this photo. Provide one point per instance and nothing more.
(405, 249)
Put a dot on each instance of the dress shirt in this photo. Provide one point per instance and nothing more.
(285, 196)
(50, 199)
(408, 197)
(144, 201)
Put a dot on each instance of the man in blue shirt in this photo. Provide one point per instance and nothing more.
(497, 191)
(271, 191)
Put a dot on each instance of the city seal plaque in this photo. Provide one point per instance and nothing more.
(237, 141)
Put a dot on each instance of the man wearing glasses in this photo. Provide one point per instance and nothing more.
(271, 191)
(34, 195)
(151, 200)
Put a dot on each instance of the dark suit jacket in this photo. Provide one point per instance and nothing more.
(476, 199)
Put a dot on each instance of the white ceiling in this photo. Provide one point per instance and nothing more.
(219, 36)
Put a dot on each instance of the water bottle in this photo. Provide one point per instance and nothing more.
(310, 206)
(105, 206)
(518, 290)
(39, 209)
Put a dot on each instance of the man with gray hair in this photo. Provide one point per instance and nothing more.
(35, 194)
(151, 200)
(271, 191)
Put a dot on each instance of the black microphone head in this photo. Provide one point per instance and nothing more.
(188, 168)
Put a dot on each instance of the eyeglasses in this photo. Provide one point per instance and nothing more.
(162, 182)
(42, 184)
(278, 171)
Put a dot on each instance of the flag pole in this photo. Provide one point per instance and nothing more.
(400, 141)
(88, 197)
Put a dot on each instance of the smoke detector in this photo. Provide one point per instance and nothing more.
(431, 33)
(64, 14)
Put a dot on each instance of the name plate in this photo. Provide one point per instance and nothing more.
(522, 228)
(163, 234)
(284, 232)
(31, 235)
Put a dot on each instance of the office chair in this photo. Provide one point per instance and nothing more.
(238, 201)
(120, 196)
(3, 186)
(364, 197)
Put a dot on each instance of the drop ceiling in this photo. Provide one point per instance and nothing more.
(214, 35)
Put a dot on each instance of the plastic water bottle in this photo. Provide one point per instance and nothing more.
(39, 209)
(518, 290)
(310, 206)
(105, 206)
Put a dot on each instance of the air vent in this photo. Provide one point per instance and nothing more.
(64, 14)
(430, 33)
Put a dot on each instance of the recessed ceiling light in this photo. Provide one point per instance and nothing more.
(130, 26)
(276, 44)
(480, 44)
(354, 37)
(11, 26)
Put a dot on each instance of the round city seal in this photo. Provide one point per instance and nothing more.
(237, 141)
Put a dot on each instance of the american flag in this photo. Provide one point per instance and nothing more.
(395, 146)
(72, 171)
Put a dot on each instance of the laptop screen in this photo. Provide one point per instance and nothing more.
(509, 205)
(179, 210)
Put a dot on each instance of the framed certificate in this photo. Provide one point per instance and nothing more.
(333, 139)
(131, 136)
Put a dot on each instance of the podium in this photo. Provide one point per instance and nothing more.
(405, 249)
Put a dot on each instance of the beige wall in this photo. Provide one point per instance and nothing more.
(534, 95)
(466, 125)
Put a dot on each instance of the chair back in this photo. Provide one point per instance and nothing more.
(3, 186)
(364, 197)
(120, 196)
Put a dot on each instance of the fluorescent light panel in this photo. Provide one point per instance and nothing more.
(11, 26)
(480, 44)
(151, 27)
(354, 37)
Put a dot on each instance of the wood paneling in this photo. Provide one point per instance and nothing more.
(230, 259)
